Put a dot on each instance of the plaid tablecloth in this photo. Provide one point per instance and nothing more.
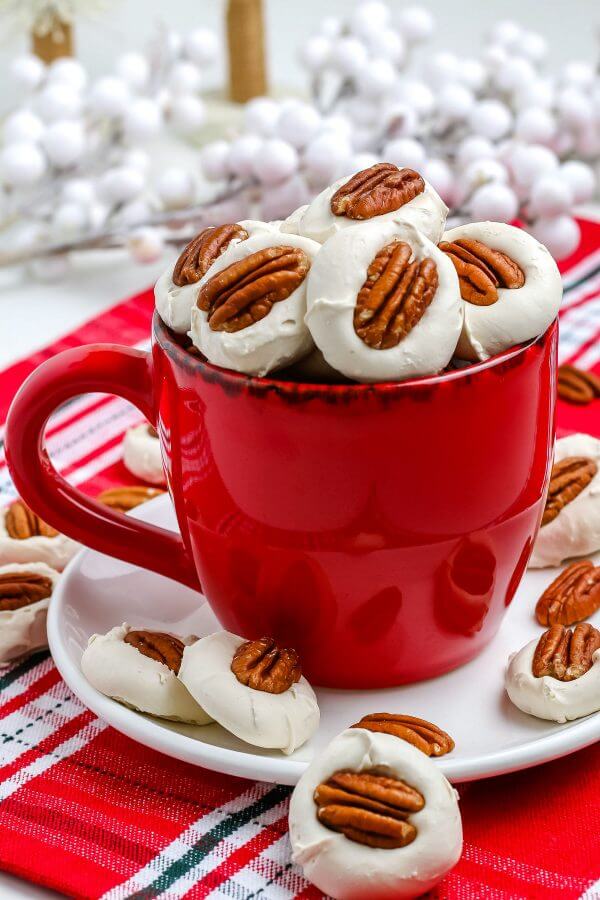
(92, 814)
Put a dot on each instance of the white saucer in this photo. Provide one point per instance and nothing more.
(491, 735)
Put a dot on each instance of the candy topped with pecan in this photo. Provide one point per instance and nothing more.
(423, 735)
(25, 537)
(577, 386)
(25, 592)
(125, 498)
(158, 645)
(22, 523)
(566, 654)
(201, 252)
(570, 524)
(264, 666)
(142, 455)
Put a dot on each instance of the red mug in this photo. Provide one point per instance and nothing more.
(381, 530)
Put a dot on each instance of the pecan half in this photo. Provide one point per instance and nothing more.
(482, 270)
(152, 431)
(264, 666)
(577, 386)
(565, 654)
(567, 480)
(571, 597)
(423, 735)
(18, 589)
(22, 523)
(369, 808)
(394, 297)
(200, 254)
(380, 189)
(245, 291)
(125, 498)
(164, 648)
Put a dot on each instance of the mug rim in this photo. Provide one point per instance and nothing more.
(163, 337)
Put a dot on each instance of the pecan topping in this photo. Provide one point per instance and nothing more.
(571, 597)
(380, 189)
(125, 498)
(152, 431)
(21, 523)
(200, 254)
(18, 589)
(245, 291)
(164, 648)
(423, 735)
(369, 808)
(565, 654)
(567, 480)
(394, 297)
(264, 666)
(577, 386)
(482, 270)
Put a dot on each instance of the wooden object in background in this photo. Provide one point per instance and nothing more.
(246, 45)
(54, 41)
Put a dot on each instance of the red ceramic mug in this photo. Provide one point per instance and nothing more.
(380, 529)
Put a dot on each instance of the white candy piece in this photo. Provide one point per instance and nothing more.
(547, 697)
(275, 341)
(120, 671)
(313, 368)
(347, 870)
(53, 551)
(335, 279)
(24, 630)
(173, 303)
(292, 223)
(276, 721)
(427, 212)
(576, 529)
(519, 314)
(141, 454)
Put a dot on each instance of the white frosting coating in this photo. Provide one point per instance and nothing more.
(314, 368)
(24, 630)
(576, 529)
(347, 870)
(334, 281)
(174, 303)
(427, 212)
(291, 225)
(54, 551)
(278, 339)
(519, 314)
(277, 721)
(141, 454)
(120, 671)
(549, 698)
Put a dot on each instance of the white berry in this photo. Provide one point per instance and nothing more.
(369, 17)
(514, 72)
(121, 184)
(142, 119)
(316, 52)
(326, 158)
(439, 174)
(64, 143)
(388, 45)
(134, 213)
(528, 162)
(298, 124)
(70, 218)
(185, 78)
(214, 160)
(533, 46)
(21, 164)
(416, 94)
(202, 46)
(349, 56)
(441, 68)
(134, 69)
(455, 102)
(560, 234)
(535, 125)
(176, 188)
(579, 74)
(416, 24)
(330, 26)
(146, 245)
(378, 78)
(573, 107)
(79, 190)
(473, 148)
(109, 96)
(482, 171)
(580, 178)
(28, 71)
(242, 153)
(473, 74)
(506, 33)
(261, 115)
(187, 114)
(58, 101)
(23, 125)
(494, 202)
(550, 196)
(405, 152)
(68, 71)
(276, 161)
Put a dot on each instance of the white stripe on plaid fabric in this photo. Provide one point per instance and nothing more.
(592, 893)
(22, 683)
(577, 327)
(178, 848)
(36, 721)
(581, 270)
(42, 763)
(224, 849)
(269, 876)
(519, 869)
(590, 287)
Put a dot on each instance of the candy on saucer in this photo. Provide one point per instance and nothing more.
(251, 304)
(127, 497)
(176, 290)
(384, 303)
(254, 689)
(25, 538)
(382, 192)
(141, 453)
(510, 285)
(25, 592)
(139, 667)
(424, 735)
(571, 519)
(558, 676)
(373, 817)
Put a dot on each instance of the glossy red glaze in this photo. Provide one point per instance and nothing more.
(380, 529)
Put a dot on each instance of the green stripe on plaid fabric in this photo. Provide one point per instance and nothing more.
(208, 842)
(22, 669)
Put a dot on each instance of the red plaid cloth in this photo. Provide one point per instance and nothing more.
(92, 814)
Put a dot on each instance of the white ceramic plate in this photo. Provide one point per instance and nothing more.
(491, 735)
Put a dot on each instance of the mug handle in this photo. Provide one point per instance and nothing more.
(104, 368)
